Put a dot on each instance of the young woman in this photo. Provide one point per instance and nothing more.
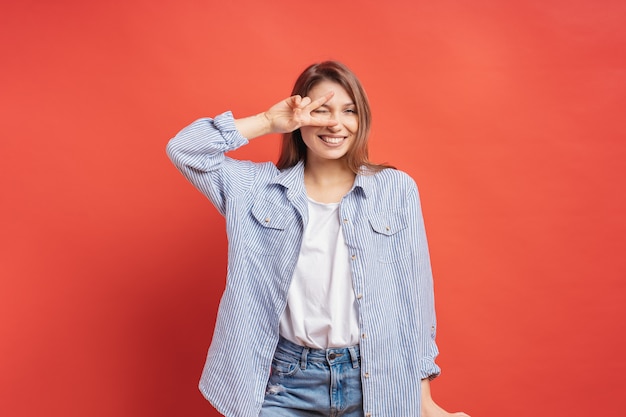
(328, 308)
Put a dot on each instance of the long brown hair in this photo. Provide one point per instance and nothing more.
(293, 148)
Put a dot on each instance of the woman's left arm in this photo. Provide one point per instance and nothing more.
(426, 310)
(422, 287)
(430, 408)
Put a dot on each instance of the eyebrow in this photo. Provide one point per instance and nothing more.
(344, 105)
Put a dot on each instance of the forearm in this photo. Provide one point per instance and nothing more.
(254, 126)
(426, 394)
(430, 408)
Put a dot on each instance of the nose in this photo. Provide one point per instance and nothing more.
(337, 118)
(335, 128)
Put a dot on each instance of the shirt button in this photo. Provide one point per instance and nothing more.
(345, 220)
(359, 296)
(353, 257)
(267, 220)
(387, 228)
(366, 374)
(364, 336)
(368, 414)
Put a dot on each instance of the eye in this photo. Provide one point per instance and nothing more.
(353, 111)
(320, 111)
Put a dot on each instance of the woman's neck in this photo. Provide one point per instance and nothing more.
(328, 181)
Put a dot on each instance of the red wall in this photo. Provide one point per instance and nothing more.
(510, 116)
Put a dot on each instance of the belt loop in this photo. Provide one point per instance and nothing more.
(303, 358)
(354, 357)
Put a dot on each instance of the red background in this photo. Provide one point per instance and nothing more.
(510, 116)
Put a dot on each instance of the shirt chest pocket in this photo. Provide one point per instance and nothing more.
(269, 227)
(391, 235)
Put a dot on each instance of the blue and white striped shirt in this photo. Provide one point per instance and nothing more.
(266, 213)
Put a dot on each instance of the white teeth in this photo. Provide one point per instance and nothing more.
(331, 139)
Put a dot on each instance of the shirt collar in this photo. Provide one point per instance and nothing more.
(364, 181)
(293, 180)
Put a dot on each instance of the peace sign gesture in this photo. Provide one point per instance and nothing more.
(285, 116)
(295, 112)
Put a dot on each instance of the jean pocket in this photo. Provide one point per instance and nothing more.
(282, 367)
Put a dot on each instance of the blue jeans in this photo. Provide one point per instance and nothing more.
(314, 382)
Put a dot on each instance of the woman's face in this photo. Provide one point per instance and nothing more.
(331, 143)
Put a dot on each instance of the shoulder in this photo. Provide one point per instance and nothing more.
(239, 169)
(389, 190)
(395, 179)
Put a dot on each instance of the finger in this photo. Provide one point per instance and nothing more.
(305, 102)
(320, 101)
(326, 97)
(294, 101)
(315, 121)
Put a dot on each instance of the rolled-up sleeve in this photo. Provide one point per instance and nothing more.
(427, 321)
(198, 153)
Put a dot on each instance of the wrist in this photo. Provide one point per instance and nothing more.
(425, 385)
(266, 121)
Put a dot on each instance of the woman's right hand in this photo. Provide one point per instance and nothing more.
(285, 116)
(295, 112)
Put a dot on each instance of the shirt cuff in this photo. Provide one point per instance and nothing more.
(429, 369)
(225, 123)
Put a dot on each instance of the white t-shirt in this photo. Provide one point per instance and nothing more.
(321, 308)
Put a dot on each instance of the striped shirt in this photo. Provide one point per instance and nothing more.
(266, 213)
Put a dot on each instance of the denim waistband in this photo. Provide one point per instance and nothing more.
(303, 354)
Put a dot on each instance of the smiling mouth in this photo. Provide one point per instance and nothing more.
(332, 140)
